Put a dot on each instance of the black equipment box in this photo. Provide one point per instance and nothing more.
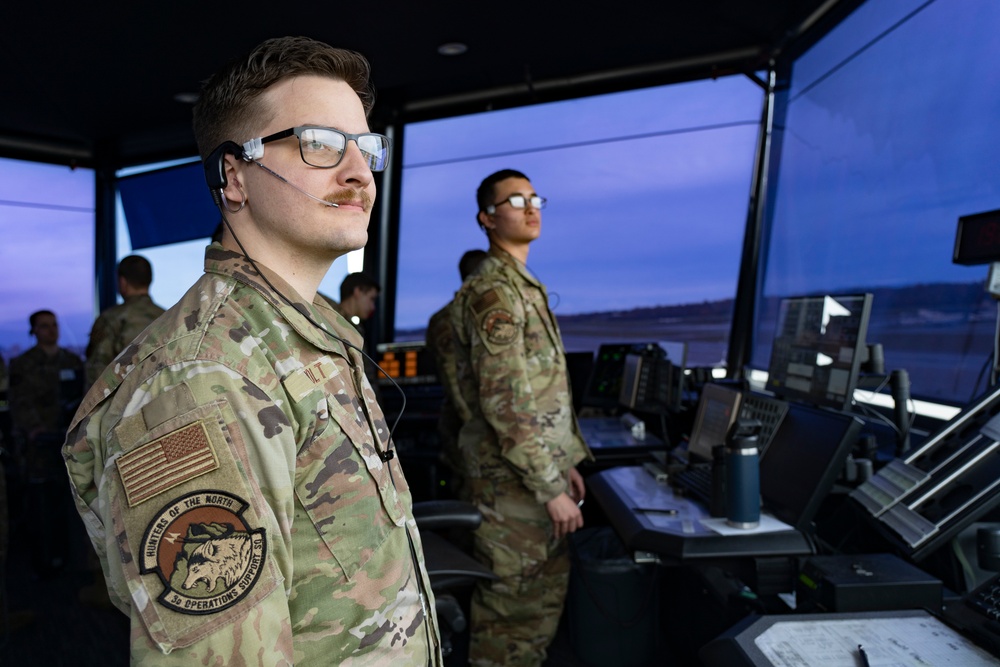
(865, 582)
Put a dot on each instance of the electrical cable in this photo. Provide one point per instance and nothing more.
(869, 412)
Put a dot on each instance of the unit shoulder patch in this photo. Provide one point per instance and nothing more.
(499, 327)
(205, 554)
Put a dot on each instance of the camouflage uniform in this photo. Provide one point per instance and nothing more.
(333, 303)
(371, 369)
(454, 411)
(227, 468)
(115, 328)
(44, 392)
(518, 445)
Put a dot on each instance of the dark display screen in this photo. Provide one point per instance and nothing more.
(818, 348)
(978, 239)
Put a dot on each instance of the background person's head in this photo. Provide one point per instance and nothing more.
(358, 293)
(510, 211)
(486, 193)
(135, 275)
(44, 327)
(470, 262)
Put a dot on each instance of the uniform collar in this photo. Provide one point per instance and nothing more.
(508, 259)
(136, 297)
(219, 260)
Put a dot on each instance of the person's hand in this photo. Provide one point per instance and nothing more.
(566, 516)
(577, 490)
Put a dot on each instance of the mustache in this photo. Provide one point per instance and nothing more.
(350, 197)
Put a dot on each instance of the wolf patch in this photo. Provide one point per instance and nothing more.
(205, 554)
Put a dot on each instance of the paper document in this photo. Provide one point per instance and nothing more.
(911, 641)
(768, 524)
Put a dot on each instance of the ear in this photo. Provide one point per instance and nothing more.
(483, 217)
(219, 168)
(233, 167)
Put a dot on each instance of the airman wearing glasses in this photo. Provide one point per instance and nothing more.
(522, 443)
(234, 471)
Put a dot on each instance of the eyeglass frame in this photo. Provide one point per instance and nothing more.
(492, 208)
(254, 148)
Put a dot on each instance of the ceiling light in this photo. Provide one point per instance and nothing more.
(186, 98)
(452, 49)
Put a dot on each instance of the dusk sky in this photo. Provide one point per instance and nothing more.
(643, 189)
(880, 161)
(647, 190)
(47, 252)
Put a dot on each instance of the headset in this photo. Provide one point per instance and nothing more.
(215, 168)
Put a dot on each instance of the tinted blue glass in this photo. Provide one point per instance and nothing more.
(645, 190)
(47, 253)
(887, 142)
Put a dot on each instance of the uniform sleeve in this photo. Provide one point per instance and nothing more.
(495, 320)
(99, 350)
(187, 496)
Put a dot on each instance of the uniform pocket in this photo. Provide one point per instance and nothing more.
(340, 483)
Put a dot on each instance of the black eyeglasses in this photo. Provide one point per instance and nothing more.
(518, 201)
(324, 147)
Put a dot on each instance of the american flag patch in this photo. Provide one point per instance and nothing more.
(166, 462)
(486, 301)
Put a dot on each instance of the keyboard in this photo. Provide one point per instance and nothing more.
(768, 411)
(986, 599)
(695, 481)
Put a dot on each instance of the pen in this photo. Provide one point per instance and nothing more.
(864, 656)
(655, 510)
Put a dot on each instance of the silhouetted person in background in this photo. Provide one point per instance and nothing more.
(441, 344)
(118, 326)
(46, 385)
(358, 293)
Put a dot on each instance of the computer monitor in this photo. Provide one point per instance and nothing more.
(805, 456)
(653, 378)
(718, 408)
(819, 344)
(641, 376)
(409, 362)
(605, 384)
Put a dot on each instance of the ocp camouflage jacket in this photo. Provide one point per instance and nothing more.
(227, 465)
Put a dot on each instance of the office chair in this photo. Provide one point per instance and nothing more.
(449, 567)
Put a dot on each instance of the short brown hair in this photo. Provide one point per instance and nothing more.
(136, 270)
(230, 108)
(353, 281)
(487, 189)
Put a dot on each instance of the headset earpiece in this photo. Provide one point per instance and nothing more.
(215, 168)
